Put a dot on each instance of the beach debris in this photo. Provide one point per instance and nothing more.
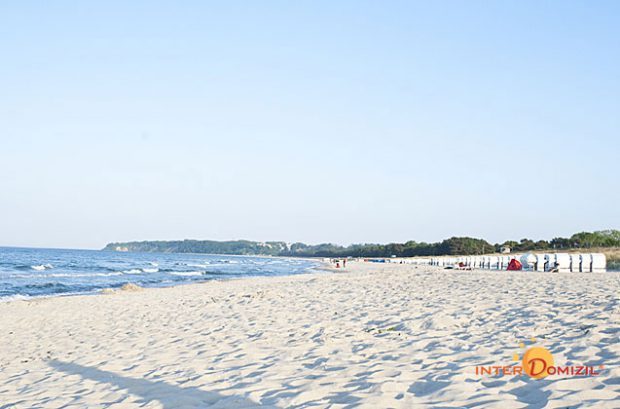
(380, 331)
(586, 328)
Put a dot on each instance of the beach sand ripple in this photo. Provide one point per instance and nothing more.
(376, 336)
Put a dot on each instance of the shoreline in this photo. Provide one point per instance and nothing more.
(324, 268)
(372, 335)
(133, 277)
(119, 289)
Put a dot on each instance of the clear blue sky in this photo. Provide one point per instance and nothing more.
(307, 121)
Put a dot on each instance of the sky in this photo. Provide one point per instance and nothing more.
(312, 121)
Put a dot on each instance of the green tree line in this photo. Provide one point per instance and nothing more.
(451, 246)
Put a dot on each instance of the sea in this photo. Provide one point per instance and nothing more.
(29, 272)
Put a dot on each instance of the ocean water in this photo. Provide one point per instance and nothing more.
(26, 272)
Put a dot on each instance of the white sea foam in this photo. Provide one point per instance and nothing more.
(196, 265)
(15, 297)
(140, 271)
(69, 275)
(66, 275)
(42, 267)
(187, 273)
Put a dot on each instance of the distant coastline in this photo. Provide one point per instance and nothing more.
(609, 240)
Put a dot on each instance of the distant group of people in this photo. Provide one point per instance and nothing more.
(338, 261)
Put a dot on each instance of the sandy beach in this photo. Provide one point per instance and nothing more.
(374, 335)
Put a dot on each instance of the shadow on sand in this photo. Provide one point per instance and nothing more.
(170, 396)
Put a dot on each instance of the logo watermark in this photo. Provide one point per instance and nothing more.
(538, 363)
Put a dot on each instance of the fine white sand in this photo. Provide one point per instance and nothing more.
(376, 336)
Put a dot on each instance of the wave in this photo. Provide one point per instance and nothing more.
(25, 297)
(134, 271)
(45, 285)
(188, 273)
(15, 297)
(195, 265)
(210, 263)
(42, 267)
(24, 276)
(222, 273)
(69, 275)
(140, 270)
(49, 288)
(66, 275)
